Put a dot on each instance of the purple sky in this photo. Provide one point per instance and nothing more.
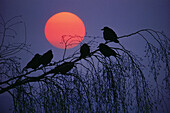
(124, 16)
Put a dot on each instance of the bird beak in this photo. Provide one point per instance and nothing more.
(102, 29)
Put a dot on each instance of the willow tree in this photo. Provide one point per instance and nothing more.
(133, 81)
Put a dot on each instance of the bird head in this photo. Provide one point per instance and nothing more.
(37, 55)
(101, 44)
(50, 51)
(85, 44)
(105, 28)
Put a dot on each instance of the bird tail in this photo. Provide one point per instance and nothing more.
(116, 41)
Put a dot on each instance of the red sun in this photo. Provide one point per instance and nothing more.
(64, 30)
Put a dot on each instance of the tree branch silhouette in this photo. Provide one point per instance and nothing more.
(96, 83)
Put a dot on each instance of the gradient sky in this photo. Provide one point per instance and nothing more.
(124, 16)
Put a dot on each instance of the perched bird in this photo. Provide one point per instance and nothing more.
(34, 63)
(63, 68)
(106, 50)
(46, 58)
(84, 51)
(109, 35)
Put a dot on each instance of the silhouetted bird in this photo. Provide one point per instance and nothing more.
(109, 35)
(84, 51)
(63, 68)
(34, 63)
(46, 58)
(106, 50)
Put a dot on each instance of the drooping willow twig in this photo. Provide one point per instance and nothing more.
(120, 80)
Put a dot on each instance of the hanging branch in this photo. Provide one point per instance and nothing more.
(96, 83)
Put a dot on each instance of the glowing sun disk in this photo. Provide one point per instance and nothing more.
(64, 27)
